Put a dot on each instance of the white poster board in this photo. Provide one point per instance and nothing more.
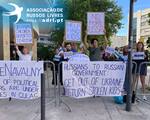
(95, 23)
(79, 57)
(87, 79)
(20, 80)
(138, 55)
(23, 33)
(73, 30)
(67, 55)
(110, 50)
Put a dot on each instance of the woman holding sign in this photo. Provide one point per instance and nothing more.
(140, 56)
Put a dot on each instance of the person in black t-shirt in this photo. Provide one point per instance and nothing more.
(143, 70)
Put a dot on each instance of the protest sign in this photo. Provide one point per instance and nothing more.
(73, 31)
(67, 55)
(79, 57)
(110, 50)
(138, 55)
(95, 23)
(20, 80)
(86, 79)
(23, 33)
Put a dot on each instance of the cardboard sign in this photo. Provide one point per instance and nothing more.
(67, 55)
(20, 80)
(87, 79)
(138, 55)
(23, 33)
(73, 31)
(79, 57)
(95, 23)
(110, 50)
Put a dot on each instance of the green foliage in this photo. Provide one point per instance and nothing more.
(148, 42)
(57, 37)
(45, 52)
(149, 18)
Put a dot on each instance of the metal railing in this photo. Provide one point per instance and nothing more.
(47, 66)
(60, 99)
(137, 85)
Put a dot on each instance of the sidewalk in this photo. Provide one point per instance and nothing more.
(99, 108)
(83, 109)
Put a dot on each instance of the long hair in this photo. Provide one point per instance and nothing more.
(142, 46)
(125, 50)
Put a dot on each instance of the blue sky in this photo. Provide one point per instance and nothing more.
(139, 5)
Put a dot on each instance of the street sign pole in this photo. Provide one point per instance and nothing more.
(129, 66)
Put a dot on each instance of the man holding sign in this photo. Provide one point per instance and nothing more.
(95, 52)
(23, 35)
(95, 26)
(25, 55)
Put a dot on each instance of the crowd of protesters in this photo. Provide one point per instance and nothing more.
(94, 52)
(91, 51)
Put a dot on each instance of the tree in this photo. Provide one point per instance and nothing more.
(45, 52)
(149, 18)
(148, 41)
(77, 10)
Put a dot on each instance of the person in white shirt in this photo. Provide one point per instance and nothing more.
(25, 55)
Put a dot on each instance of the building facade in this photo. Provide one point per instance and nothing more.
(44, 39)
(118, 41)
(141, 27)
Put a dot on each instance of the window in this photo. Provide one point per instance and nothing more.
(144, 23)
(144, 17)
(42, 39)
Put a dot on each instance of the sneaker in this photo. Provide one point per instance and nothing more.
(144, 97)
(137, 100)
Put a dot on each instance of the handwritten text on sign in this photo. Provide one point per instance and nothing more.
(73, 31)
(138, 55)
(95, 23)
(93, 78)
(110, 50)
(20, 80)
(67, 55)
(23, 32)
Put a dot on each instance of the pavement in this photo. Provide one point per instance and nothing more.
(98, 108)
